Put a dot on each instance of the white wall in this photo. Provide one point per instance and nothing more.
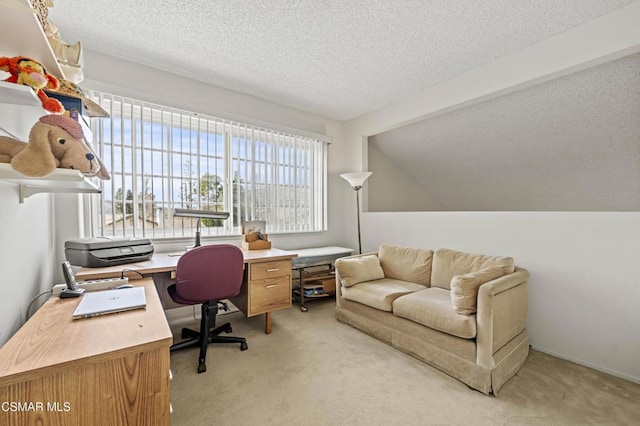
(583, 289)
(383, 194)
(26, 245)
(26, 241)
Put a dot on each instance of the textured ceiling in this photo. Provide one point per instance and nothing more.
(566, 145)
(336, 58)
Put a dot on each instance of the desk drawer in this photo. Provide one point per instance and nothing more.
(270, 294)
(262, 270)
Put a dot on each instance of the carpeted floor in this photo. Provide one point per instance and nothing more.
(313, 370)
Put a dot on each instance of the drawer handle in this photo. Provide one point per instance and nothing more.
(273, 269)
(271, 286)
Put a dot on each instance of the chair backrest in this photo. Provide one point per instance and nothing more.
(211, 272)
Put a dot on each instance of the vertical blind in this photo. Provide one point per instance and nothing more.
(162, 158)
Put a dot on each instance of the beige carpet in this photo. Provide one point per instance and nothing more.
(313, 370)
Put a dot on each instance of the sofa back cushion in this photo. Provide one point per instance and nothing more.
(447, 263)
(354, 270)
(406, 264)
(464, 288)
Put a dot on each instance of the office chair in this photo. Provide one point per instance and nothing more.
(207, 275)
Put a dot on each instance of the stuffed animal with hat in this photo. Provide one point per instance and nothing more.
(30, 72)
(54, 141)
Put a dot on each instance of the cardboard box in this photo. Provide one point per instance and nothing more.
(329, 285)
(256, 245)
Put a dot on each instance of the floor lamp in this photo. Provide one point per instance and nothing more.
(356, 180)
(199, 214)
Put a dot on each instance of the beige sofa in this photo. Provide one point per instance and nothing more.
(462, 313)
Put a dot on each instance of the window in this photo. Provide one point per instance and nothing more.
(162, 158)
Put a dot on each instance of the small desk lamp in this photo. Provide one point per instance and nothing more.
(200, 214)
(356, 180)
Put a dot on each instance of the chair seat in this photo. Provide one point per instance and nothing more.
(176, 297)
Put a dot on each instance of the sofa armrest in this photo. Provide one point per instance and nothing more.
(502, 314)
(339, 282)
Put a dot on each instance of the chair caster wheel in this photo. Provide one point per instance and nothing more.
(244, 346)
(184, 334)
(228, 330)
(202, 368)
(304, 308)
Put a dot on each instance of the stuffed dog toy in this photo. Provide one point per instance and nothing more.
(54, 141)
(29, 72)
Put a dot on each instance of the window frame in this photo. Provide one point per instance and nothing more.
(133, 110)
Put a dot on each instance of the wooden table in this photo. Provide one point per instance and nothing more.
(111, 369)
(266, 285)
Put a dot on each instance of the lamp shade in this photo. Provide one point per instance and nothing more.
(356, 179)
(201, 214)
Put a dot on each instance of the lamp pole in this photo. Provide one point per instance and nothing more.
(356, 180)
(197, 244)
(357, 188)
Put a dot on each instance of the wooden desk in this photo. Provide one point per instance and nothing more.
(266, 285)
(111, 369)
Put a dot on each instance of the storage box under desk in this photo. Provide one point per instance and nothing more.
(328, 285)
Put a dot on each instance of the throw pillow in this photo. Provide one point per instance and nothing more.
(464, 288)
(447, 263)
(359, 269)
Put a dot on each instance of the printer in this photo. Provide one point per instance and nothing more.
(107, 251)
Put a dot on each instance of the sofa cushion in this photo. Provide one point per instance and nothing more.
(432, 307)
(447, 263)
(380, 294)
(406, 264)
(358, 269)
(464, 288)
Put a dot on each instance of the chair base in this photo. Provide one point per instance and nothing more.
(209, 312)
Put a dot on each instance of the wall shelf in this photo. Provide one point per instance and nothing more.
(19, 18)
(19, 94)
(58, 181)
(19, 105)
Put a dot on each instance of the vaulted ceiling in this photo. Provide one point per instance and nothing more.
(336, 58)
(567, 144)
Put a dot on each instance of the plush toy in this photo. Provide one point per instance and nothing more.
(54, 141)
(29, 72)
